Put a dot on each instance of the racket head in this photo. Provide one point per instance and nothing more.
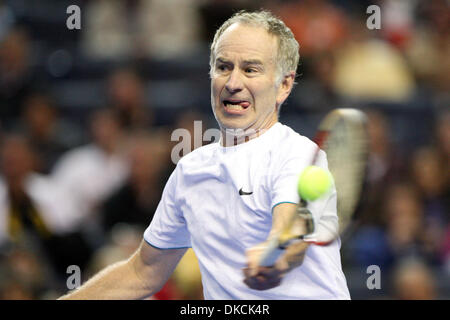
(342, 135)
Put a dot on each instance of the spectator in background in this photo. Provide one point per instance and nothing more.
(318, 25)
(126, 95)
(443, 149)
(16, 76)
(398, 21)
(413, 280)
(404, 219)
(17, 164)
(141, 29)
(135, 202)
(316, 92)
(402, 235)
(431, 176)
(384, 160)
(31, 212)
(24, 275)
(169, 28)
(370, 69)
(49, 135)
(7, 19)
(442, 135)
(445, 251)
(385, 165)
(109, 29)
(429, 48)
(442, 145)
(90, 173)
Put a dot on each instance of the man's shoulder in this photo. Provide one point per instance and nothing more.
(291, 141)
(198, 156)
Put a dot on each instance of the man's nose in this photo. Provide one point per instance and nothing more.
(234, 83)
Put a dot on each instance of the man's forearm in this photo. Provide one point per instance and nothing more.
(295, 254)
(120, 281)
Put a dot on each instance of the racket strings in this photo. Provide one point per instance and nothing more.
(346, 155)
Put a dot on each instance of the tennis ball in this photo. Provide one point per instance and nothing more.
(314, 182)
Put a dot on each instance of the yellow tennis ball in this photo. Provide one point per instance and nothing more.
(314, 182)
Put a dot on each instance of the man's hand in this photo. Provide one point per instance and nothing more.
(263, 278)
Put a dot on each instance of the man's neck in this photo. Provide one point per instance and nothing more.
(233, 137)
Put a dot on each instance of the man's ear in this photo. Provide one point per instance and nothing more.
(285, 88)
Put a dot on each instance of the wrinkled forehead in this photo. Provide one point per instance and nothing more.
(248, 41)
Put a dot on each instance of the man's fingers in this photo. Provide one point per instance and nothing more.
(247, 272)
(262, 278)
(254, 255)
(256, 270)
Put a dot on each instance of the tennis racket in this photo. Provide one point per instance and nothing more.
(343, 137)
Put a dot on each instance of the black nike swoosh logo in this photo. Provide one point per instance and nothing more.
(243, 193)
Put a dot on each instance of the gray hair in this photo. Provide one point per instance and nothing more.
(288, 48)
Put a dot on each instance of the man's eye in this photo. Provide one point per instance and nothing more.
(222, 67)
(250, 70)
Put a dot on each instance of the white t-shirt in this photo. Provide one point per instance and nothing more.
(201, 208)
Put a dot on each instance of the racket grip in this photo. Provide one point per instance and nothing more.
(271, 254)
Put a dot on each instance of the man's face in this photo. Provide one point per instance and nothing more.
(244, 92)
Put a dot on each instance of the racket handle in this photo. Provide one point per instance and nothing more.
(271, 254)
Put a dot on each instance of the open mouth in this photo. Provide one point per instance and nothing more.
(235, 105)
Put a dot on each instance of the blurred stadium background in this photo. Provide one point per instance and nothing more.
(86, 118)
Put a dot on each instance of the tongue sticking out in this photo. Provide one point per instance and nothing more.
(236, 104)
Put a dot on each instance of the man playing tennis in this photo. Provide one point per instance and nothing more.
(225, 199)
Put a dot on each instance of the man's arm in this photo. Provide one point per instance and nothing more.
(141, 276)
(263, 278)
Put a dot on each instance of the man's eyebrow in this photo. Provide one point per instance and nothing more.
(253, 61)
(246, 62)
(222, 60)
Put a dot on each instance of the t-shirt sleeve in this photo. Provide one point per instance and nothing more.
(168, 229)
(290, 161)
(284, 187)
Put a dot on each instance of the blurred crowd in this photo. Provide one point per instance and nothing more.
(86, 118)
